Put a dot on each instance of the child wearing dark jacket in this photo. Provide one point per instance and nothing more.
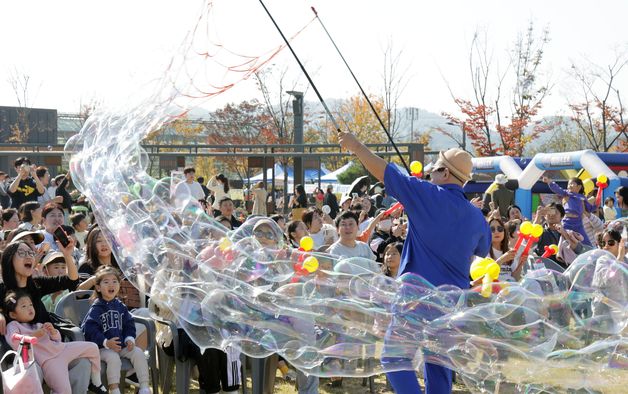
(110, 325)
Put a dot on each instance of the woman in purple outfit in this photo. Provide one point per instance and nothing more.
(575, 204)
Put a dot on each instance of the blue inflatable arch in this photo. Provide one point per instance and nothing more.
(542, 162)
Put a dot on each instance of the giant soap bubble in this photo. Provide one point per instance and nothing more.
(329, 316)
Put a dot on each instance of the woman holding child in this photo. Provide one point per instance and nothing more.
(18, 263)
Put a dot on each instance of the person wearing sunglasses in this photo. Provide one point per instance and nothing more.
(428, 248)
(612, 242)
(18, 265)
(501, 253)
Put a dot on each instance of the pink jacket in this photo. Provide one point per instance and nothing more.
(46, 348)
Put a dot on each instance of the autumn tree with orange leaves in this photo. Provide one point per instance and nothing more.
(352, 114)
(240, 124)
(492, 126)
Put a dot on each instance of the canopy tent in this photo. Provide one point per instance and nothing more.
(332, 177)
(310, 174)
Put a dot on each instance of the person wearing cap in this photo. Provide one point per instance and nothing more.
(54, 265)
(427, 250)
(345, 202)
(32, 238)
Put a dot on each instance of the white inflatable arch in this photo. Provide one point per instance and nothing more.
(542, 162)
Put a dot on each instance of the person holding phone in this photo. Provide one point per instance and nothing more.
(26, 186)
(427, 250)
(18, 266)
(53, 216)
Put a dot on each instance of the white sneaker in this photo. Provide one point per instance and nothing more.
(145, 390)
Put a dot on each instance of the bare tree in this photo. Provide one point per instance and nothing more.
(395, 79)
(277, 104)
(22, 88)
(491, 128)
(599, 112)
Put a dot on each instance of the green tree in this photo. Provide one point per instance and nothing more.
(352, 173)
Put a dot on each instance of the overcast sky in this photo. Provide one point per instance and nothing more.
(76, 51)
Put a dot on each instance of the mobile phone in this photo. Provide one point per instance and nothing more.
(61, 236)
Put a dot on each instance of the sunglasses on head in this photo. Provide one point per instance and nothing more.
(498, 229)
(610, 242)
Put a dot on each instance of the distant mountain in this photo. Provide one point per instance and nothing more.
(411, 121)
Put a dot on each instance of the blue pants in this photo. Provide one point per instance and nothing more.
(437, 380)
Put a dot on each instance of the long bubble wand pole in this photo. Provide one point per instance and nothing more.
(320, 98)
(366, 97)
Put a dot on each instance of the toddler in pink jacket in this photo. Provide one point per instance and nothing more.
(51, 354)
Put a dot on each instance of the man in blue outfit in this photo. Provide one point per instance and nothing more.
(444, 233)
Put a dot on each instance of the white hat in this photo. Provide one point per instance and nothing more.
(35, 235)
(53, 257)
(501, 179)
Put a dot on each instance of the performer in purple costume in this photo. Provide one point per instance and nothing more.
(575, 204)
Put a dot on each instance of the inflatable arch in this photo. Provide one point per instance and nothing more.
(542, 162)
(504, 164)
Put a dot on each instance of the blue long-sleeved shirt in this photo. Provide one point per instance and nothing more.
(106, 320)
(444, 231)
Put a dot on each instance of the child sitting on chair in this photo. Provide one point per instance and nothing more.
(110, 325)
(52, 355)
(54, 265)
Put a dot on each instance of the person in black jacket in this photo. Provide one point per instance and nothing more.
(299, 198)
(63, 181)
(26, 186)
(331, 201)
(18, 261)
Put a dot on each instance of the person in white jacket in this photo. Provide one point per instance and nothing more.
(219, 186)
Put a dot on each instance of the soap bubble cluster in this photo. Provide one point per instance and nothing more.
(330, 316)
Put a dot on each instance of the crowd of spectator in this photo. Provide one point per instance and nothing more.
(40, 267)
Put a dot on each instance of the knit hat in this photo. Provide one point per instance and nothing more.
(457, 161)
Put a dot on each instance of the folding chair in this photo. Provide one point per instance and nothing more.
(74, 307)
